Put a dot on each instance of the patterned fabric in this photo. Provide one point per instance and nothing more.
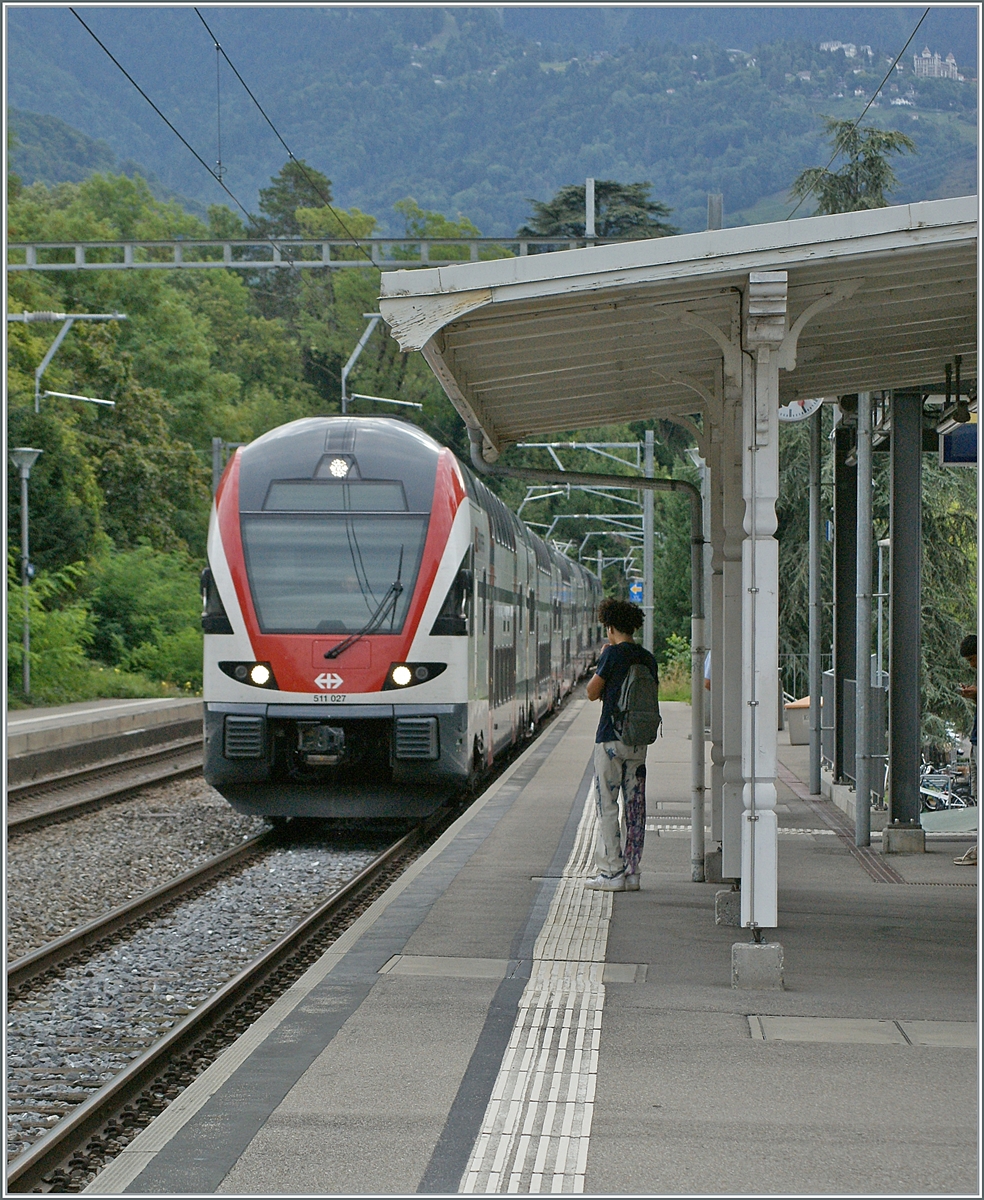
(620, 768)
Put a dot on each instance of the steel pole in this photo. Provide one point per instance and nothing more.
(845, 580)
(862, 637)
(905, 593)
(816, 535)
(26, 581)
(648, 533)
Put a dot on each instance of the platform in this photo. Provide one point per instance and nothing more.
(490, 1025)
(44, 741)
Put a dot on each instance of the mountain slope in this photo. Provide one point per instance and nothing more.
(462, 110)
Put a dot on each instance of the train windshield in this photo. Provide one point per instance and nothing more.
(330, 574)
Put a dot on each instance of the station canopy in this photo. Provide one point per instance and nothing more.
(533, 345)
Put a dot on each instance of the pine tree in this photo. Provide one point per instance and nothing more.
(622, 210)
(866, 176)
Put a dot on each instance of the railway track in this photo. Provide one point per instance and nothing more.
(103, 1122)
(30, 967)
(38, 802)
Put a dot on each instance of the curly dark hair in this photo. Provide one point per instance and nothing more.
(968, 646)
(621, 615)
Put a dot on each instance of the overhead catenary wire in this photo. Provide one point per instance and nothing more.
(843, 138)
(219, 169)
(184, 141)
(290, 153)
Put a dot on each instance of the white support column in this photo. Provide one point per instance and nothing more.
(731, 634)
(716, 610)
(764, 327)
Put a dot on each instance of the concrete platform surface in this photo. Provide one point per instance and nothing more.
(491, 1025)
(37, 729)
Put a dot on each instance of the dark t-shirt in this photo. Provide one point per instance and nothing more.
(613, 666)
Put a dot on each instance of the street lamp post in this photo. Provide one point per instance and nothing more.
(23, 459)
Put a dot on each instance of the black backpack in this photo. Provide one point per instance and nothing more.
(636, 719)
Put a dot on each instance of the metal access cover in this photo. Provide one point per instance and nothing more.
(416, 738)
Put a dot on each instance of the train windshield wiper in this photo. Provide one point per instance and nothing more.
(386, 607)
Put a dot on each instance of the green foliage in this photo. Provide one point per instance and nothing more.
(675, 669)
(125, 491)
(62, 632)
(297, 185)
(145, 607)
(622, 210)
(866, 176)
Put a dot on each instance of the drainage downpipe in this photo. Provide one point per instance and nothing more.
(697, 648)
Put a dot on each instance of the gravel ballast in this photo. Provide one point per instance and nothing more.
(64, 875)
(72, 1033)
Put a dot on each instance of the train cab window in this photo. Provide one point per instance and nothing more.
(333, 495)
(214, 618)
(330, 572)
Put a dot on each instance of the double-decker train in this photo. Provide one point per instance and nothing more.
(379, 626)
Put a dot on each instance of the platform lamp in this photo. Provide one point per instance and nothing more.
(23, 458)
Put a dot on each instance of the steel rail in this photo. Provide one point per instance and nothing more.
(53, 953)
(75, 791)
(56, 1147)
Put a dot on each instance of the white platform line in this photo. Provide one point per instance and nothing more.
(534, 1135)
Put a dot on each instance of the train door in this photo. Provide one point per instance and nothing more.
(481, 723)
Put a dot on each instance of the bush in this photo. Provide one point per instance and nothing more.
(674, 675)
(146, 608)
(126, 626)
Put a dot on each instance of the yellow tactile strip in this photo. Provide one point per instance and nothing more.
(534, 1135)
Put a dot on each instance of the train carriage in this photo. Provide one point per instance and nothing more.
(379, 626)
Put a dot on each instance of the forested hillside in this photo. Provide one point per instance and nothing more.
(475, 111)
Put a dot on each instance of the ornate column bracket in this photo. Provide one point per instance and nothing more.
(833, 295)
(691, 428)
(730, 351)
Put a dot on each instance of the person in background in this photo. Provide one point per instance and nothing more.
(618, 767)
(968, 651)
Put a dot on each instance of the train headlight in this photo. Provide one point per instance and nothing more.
(339, 468)
(403, 674)
(256, 674)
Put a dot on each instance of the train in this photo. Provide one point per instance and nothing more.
(379, 627)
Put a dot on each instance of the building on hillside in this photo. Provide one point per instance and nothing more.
(930, 66)
(849, 48)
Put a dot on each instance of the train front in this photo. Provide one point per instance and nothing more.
(336, 640)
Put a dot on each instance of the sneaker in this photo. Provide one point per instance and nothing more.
(969, 859)
(632, 882)
(601, 883)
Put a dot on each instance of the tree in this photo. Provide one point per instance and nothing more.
(622, 210)
(296, 185)
(866, 176)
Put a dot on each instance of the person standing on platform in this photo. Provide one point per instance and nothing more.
(619, 766)
(968, 651)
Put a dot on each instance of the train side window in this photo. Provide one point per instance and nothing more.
(484, 591)
(454, 616)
